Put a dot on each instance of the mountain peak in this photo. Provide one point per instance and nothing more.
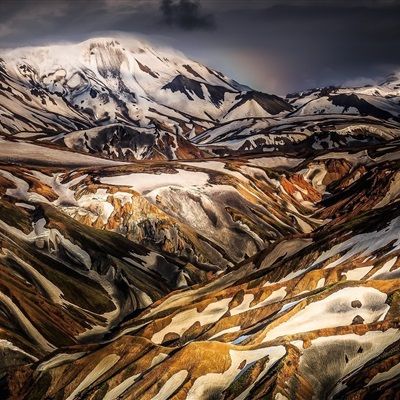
(110, 80)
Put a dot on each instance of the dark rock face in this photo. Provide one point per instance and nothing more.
(116, 142)
(190, 87)
(352, 100)
(145, 68)
(269, 102)
(127, 143)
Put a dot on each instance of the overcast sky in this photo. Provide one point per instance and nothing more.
(277, 46)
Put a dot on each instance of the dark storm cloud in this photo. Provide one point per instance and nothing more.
(185, 14)
(313, 46)
(272, 45)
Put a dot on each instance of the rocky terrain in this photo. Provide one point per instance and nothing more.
(168, 233)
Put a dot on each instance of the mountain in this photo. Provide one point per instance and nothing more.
(167, 233)
(153, 95)
(321, 118)
(380, 101)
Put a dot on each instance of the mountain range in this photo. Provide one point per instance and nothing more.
(169, 233)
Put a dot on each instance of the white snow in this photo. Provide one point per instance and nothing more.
(275, 162)
(24, 205)
(21, 190)
(320, 283)
(384, 376)
(101, 368)
(220, 381)
(183, 320)
(384, 269)
(29, 328)
(143, 182)
(158, 358)
(13, 152)
(225, 331)
(121, 388)
(244, 306)
(8, 345)
(59, 359)
(373, 343)
(363, 245)
(357, 274)
(172, 384)
(334, 310)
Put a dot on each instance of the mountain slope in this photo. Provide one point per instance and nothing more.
(258, 330)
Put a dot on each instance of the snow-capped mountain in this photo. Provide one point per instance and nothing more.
(381, 101)
(326, 118)
(104, 81)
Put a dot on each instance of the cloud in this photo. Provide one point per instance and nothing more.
(15, 16)
(362, 81)
(120, 7)
(185, 14)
